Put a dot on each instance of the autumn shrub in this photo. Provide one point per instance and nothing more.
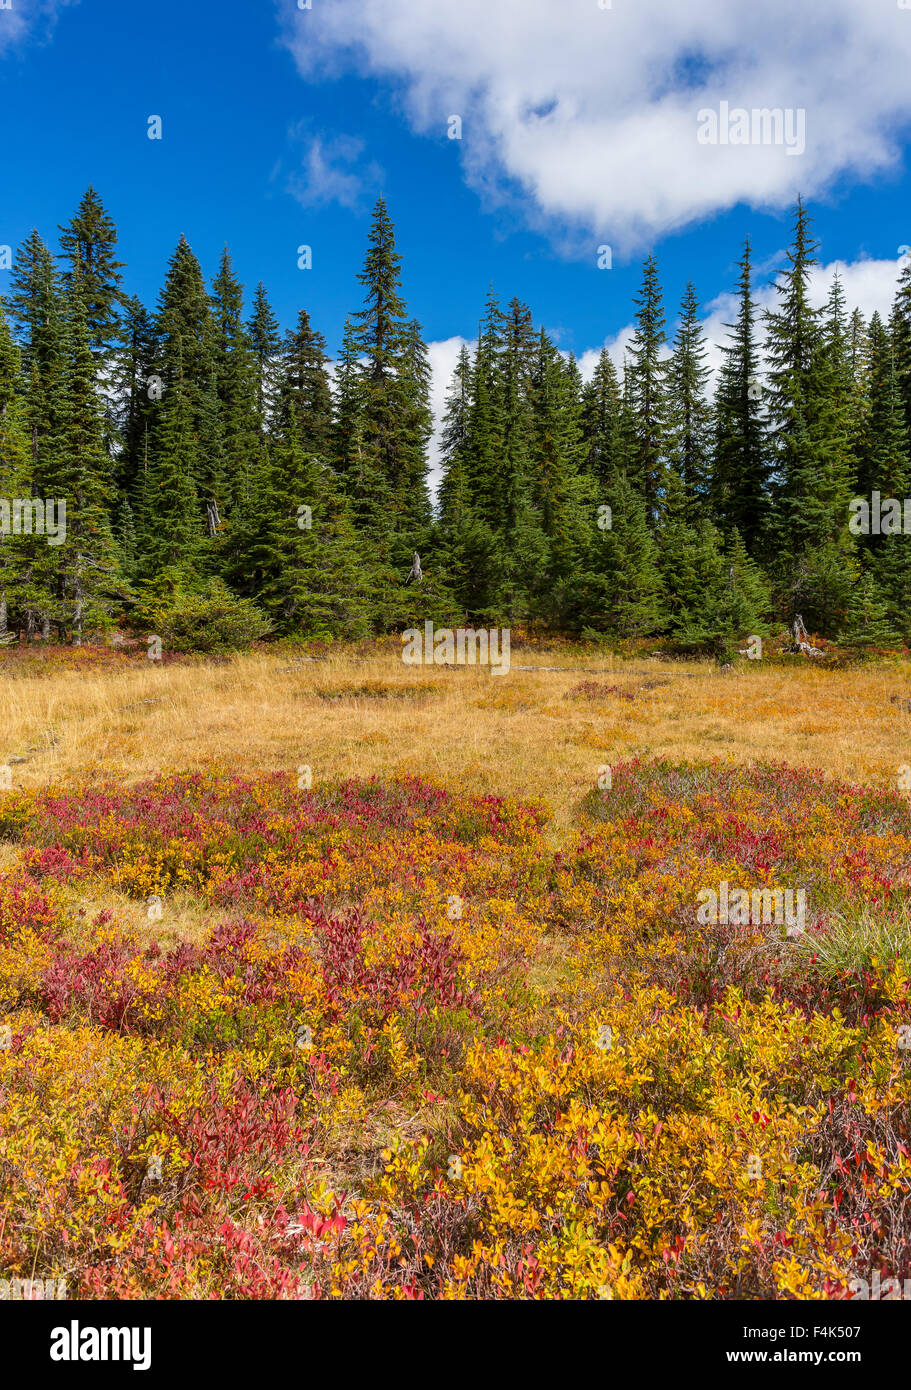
(422, 1050)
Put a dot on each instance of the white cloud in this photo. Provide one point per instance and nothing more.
(590, 114)
(28, 19)
(332, 171)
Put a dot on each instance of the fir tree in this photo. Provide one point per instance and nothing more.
(601, 424)
(88, 244)
(235, 387)
(648, 399)
(689, 412)
(132, 389)
(867, 623)
(77, 470)
(16, 592)
(186, 346)
(265, 340)
(391, 424)
(623, 592)
(901, 337)
(740, 469)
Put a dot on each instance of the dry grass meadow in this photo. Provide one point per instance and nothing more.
(357, 714)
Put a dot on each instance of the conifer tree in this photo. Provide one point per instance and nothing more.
(891, 554)
(265, 340)
(689, 411)
(169, 525)
(452, 497)
(489, 428)
(740, 468)
(561, 501)
(76, 470)
(901, 336)
(16, 592)
(468, 548)
(808, 405)
(133, 388)
(348, 428)
(235, 387)
(303, 407)
(622, 590)
(88, 244)
(187, 459)
(601, 424)
(391, 407)
(417, 430)
(34, 304)
(648, 396)
(867, 622)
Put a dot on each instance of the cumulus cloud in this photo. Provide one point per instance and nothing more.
(590, 115)
(29, 19)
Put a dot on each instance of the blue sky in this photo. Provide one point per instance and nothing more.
(280, 125)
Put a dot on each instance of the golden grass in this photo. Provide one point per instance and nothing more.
(355, 715)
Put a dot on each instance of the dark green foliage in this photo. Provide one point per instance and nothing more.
(226, 481)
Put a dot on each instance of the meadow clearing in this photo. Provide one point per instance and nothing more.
(334, 978)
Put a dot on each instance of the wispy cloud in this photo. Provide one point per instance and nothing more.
(332, 170)
(29, 20)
